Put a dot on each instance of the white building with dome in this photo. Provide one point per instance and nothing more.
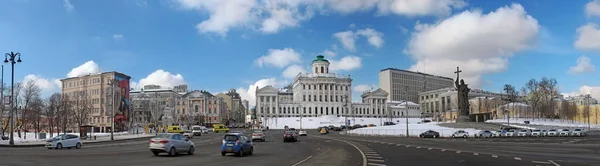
(319, 93)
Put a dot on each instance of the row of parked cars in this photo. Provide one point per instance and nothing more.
(522, 133)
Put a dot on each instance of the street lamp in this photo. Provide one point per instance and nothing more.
(406, 108)
(587, 100)
(112, 85)
(10, 57)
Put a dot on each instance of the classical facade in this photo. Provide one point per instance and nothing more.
(406, 85)
(200, 107)
(437, 103)
(318, 93)
(155, 105)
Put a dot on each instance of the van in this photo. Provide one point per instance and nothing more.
(198, 130)
(220, 128)
(174, 129)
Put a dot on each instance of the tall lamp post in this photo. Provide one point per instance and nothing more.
(112, 85)
(587, 101)
(10, 58)
(406, 108)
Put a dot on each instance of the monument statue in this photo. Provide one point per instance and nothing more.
(463, 98)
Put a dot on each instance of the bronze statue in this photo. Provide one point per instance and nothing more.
(463, 98)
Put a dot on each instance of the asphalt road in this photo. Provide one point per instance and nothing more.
(503, 151)
(309, 150)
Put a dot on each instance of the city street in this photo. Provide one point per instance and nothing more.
(308, 151)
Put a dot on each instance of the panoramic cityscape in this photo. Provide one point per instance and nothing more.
(300, 82)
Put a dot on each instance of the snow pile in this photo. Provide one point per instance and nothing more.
(315, 122)
(26, 137)
(545, 122)
(414, 130)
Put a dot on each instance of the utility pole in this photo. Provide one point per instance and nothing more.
(587, 100)
(406, 108)
(112, 85)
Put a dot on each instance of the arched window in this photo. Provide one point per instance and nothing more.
(322, 69)
(316, 70)
(196, 107)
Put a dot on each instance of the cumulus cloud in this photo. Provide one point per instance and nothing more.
(292, 71)
(271, 16)
(46, 85)
(593, 91)
(588, 38)
(348, 38)
(478, 43)
(250, 92)
(329, 53)
(160, 77)
(364, 88)
(592, 8)
(68, 5)
(279, 58)
(346, 63)
(584, 65)
(89, 67)
(117, 36)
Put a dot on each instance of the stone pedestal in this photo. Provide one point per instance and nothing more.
(463, 118)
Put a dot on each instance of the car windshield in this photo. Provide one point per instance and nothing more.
(164, 136)
(577, 129)
(257, 131)
(565, 129)
(552, 130)
(536, 130)
(196, 128)
(523, 130)
(230, 138)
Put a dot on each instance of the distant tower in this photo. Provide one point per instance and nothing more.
(320, 65)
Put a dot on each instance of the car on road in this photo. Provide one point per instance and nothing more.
(290, 136)
(172, 144)
(524, 133)
(199, 130)
(460, 134)
(564, 133)
(578, 132)
(484, 134)
(337, 129)
(303, 133)
(429, 134)
(188, 134)
(220, 128)
(552, 133)
(323, 130)
(174, 129)
(500, 133)
(64, 141)
(238, 144)
(258, 135)
(293, 129)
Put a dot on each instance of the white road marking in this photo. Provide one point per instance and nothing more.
(408, 146)
(443, 150)
(541, 162)
(457, 151)
(375, 164)
(556, 164)
(494, 156)
(476, 154)
(374, 157)
(372, 154)
(300, 162)
(429, 148)
(517, 158)
(398, 144)
(375, 160)
(418, 147)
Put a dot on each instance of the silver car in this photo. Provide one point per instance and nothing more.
(552, 133)
(524, 133)
(564, 133)
(578, 132)
(258, 135)
(511, 133)
(172, 144)
(64, 141)
(536, 133)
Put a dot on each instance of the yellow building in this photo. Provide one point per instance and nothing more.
(594, 114)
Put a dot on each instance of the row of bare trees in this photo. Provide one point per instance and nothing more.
(58, 112)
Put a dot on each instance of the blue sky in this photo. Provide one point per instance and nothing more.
(217, 45)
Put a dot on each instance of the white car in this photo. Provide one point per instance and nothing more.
(578, 132)
(302, 133)
(552, 133)
(64, 141)
(199, 130)
(460, 133)
(564, 133)
(536, 133)
(524, 133)
(510, 133)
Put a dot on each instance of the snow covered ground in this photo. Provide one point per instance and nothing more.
(28, 137)
(414, 129)
(545, 122)
(315, 122)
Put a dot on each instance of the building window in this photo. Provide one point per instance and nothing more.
(325, 98)
(337, 110)
(320, 98)
(304, 97)
(322, 69)
(304, 112)
(316, 70)
(303, 86)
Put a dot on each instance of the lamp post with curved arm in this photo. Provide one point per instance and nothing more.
(10, 58)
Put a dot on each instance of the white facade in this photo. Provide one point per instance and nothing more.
(406, 85)
(442, 100)
(317, 93)
(398, 109)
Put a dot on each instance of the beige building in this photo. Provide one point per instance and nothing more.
(201, 107)
(406, 85)
(98, 91)
(236, 110)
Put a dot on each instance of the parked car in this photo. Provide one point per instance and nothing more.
(484, 134)
(171, 143)
(501, 133)
(429, 134)
(536, 133)
(337, 129)
(303, 133)
(524, 133)
(290, 136)
(511, 133)
(324, 130)
(564, 133)
(552, 133)
(578, 132)
(389, 123)
(258, 135)
(236, 143)
(460, 133)
(64, 141)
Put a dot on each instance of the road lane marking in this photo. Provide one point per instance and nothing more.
(457, 151)
(374, 157)
(517, 158)
(398, 144)
(376, 160)
(443, 150)
(418, 147)
(375, 164)
(556, 164)
(494, 156)
(429, 148)
(364, 157)
(408, 146)
(371, 154)
(476, 154)
(541, 162)
(301, 161)
(390, 143)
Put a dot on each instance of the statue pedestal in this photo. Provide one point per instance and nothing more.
(463, 118)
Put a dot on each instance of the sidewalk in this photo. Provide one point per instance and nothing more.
(34, 143)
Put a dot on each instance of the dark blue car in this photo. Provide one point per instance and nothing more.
(238, 144)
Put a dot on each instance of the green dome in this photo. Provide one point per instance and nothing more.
(320, 58)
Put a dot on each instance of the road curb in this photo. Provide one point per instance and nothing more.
(364, 157)
(95, 142)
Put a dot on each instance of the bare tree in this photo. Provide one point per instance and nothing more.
(534, 96)
(52, 112)
(3, 110)
(572, 111)
(82, 108)
(549, 90)
(36, 108)
(30, 92)
(64, 111)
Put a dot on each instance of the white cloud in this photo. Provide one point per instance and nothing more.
(68, 5)
(364, 88)
(89, 67)
(117, 36)
(478, 43)
(250, 92)
(593, 91)
(375, 38)
(292, 71)
(584, 65)
(270, 16)
(346, 63)
(592, 8)
(348, 38)
(160, 77)
(588, 38)
(43, 83)
(328, 53)
(279, 58)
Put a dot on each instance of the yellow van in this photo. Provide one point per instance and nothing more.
(174, 129)
(220, 128)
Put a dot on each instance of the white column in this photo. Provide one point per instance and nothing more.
(276, 106)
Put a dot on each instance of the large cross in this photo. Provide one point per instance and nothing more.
(458, 71)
